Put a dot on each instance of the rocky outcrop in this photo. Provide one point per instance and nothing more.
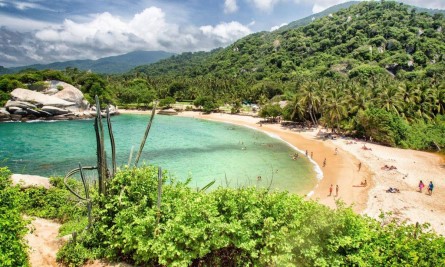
(26, 180)
(60, 101)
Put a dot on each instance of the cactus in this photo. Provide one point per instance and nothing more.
(104, 174)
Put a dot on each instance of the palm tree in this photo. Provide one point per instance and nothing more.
(336, 108)
(391, 99)
(310, 100)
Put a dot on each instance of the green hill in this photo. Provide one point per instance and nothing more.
(366, 37)
(107, 65)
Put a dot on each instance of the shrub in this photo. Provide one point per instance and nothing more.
(13, 248)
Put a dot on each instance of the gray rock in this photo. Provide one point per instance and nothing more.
(69, 93)
(19, 104)
(4, 115)
(12, 110)
(34, 112)
(55, 110)
(3, 112)
(59, 118)
(20, 111)
(39, 99)
(51, 91)
(15, 117)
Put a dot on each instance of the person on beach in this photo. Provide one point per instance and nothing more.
(359, 166)
(312, 153)
(430, 188)
(324, 162)
(330, 190)
(421, 186)
(336, 190)
(365, 183)
(306, 153)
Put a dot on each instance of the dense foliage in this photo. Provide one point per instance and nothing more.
(240, 227)
(13, 249)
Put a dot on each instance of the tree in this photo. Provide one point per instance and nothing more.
(270, 111)
(383, 126)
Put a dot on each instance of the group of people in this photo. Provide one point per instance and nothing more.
(430, 187)
(331, 188)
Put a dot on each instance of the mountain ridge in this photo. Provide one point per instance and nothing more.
(107, 65)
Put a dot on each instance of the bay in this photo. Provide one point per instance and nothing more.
(202, 150)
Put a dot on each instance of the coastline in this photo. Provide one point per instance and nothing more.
(409, 205)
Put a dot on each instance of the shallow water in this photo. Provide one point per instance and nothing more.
(186, 147)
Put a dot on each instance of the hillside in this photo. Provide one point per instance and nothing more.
(370, 37)
(107, 65)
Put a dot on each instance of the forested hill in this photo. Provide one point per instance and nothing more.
(364, 39)
(108, 65)
(307, 20)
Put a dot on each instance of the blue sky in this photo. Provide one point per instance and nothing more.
(41, 31)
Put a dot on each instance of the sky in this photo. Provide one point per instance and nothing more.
(45, 31)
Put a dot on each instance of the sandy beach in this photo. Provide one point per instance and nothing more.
(342, 169)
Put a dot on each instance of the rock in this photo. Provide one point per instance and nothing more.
(45, 113)
(12, 110)
(55, 110)
(70, 94)
(26, 180)
(59, 118)
(3, 112)
(19, 104)
(20, 111)
(51, 91)
(4, 115)
(39, 99)
(34, 112)
(16, 117)
(169, 111)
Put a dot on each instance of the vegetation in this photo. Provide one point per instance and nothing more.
(222, 227)
(13, 249)
(234, 227)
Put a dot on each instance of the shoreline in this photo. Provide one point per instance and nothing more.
(411, 166)
(337, 170)
(341, 169)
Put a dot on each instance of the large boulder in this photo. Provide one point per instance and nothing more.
(19, 104)
(4, 115)
(69, 93)
(39, 99)
(55, 110)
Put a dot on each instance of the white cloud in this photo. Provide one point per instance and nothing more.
(6, 57)
(22, 24)
(230, 6)
(277, 27)
(105, 34)
(226, 32)
(265, 5)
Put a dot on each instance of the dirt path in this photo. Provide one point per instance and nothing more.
(43, 242)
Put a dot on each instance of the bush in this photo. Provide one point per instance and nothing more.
(239, 227)
(383, 126)
(54, 203)
(167, 102)
(13, 248)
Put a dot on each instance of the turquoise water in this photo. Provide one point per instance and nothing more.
(186, 147)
